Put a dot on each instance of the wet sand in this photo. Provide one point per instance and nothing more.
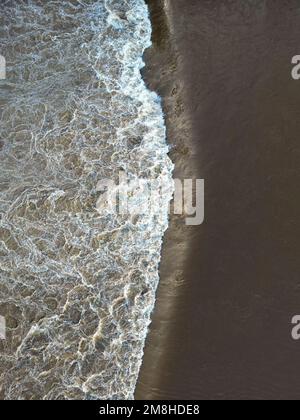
(229, 288)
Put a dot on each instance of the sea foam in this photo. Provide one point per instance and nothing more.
(76, 288)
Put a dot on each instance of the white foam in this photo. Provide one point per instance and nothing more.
(77, 289)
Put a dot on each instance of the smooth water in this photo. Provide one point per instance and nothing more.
(76, 288)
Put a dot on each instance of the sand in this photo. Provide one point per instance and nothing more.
(230, 287)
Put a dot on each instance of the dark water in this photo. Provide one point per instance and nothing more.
(229, 288)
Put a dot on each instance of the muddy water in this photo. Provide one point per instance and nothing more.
(77, 283)
(229, 288)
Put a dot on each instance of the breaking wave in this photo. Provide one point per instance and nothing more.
(76, 288)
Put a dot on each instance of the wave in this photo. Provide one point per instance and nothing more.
(77, 288)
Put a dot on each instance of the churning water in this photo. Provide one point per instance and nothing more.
(76, 288)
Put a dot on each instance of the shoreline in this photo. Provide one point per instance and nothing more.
(162, 75)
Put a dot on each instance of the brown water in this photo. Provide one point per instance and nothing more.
(229, 288)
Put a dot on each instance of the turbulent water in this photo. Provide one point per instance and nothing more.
(76, 287)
